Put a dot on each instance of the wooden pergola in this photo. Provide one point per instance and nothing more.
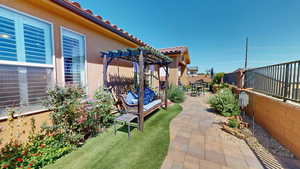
(143, 56)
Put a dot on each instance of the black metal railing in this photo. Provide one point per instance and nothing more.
(279, 80)
(230, 78)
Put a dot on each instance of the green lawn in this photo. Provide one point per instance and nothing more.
(145, 150)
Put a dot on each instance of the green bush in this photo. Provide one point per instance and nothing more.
(76, 118)
(218, 78)
(73, 121)
(176, 94)
(225, 103)
(99, 116)
(233, 123)
(38, 152)
(66, 104)
(45, 149)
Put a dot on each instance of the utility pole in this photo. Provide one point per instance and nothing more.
(246, 58)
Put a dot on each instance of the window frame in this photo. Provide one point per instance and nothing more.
(28, 64)
(62, 28)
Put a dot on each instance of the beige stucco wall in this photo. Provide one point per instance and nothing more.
(96, 39)
(173, 71)
(184, 78)
(22, 127)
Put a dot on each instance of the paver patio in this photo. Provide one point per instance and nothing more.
(197, 143)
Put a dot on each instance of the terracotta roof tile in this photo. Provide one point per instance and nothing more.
(76, 4)
(108, 25)
(88, 11)
(173, 50)
(99, 17)
(204, 78)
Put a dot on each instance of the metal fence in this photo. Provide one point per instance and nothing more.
(230, 78)
(280, 80)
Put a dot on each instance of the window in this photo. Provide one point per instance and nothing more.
(26, 61)
(73, 49)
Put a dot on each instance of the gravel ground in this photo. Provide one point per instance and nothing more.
(270, 152)
(262, 139)
(265, 140)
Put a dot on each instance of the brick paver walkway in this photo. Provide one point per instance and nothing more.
(196, 144)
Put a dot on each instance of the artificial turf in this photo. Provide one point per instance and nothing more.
(144, 150)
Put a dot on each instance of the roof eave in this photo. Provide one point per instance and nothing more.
(97, 21)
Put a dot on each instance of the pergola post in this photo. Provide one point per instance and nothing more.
(167, 86)
(141, 91)
(159, 87)
(105, 71)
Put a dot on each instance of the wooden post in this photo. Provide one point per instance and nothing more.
(166, 86)
(141, 91)
(105, 71)
(158, 75)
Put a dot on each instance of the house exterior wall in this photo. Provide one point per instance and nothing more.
(184, 78)
(174, 77)
(22, 127)
(173, 71)
(97, 39)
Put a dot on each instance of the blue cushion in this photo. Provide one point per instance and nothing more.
(136, 96)
(130, 98)
(151, 104)
(148, 96)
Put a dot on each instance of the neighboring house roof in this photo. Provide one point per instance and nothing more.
(177, 50)
(205, 78)
(174, 50)
(88, 14)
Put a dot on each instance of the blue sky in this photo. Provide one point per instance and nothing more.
(214, 30)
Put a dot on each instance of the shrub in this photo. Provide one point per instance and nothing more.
(73, 119)
(99, 116)
(66, 106)
(42, 149)
(225, 103)
(77, 118)
(233, 123)
(12, 154)
(38, 152)
(176, 94)
(218, 78)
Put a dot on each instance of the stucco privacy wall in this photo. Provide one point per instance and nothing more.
(96, 40)
(280, 119)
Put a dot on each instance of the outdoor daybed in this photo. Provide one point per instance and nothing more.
(151, 102)
(143, 57)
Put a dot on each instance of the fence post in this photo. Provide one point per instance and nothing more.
(286, 81)
(240, 79)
